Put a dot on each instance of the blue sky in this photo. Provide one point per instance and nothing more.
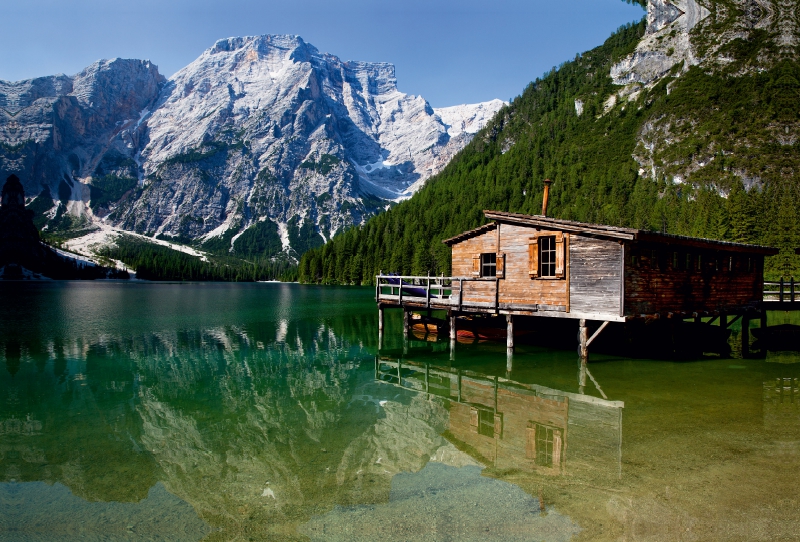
(448, 51)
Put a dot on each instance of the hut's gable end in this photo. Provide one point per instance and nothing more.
(467, 251)
(662, 278)
(595, 275)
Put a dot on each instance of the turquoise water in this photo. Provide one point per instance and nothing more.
(267, 411)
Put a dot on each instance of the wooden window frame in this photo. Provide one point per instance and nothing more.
(552, 439)
(486, 422)
(561, 255)
(479, 265)
(488, 265)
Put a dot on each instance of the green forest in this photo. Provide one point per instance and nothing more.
(156, 262)
(724, 121)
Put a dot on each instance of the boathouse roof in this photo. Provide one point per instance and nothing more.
(605, 232)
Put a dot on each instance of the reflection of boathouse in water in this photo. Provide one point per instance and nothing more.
(511, 425)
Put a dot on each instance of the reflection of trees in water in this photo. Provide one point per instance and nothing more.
(60, 425)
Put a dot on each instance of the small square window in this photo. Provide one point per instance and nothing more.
(486, 423)
(489, 264)
(547, 256)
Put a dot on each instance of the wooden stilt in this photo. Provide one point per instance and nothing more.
(406, 322)
(427, 378)
(723, 320)
(583, 337)
(509, 363)
(380, 318)
(763, 319)
(453, 334)
(745, 335)
(509, 334)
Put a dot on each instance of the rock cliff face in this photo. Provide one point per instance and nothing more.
(54, 130)
(731, 40)
(666, 42)
(270, 128)
(260, 135)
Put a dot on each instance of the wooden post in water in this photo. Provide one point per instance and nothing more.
(380, 326)
(453, 334)
(406, 329)
(745, 335)
(509, 334)
(583, 337)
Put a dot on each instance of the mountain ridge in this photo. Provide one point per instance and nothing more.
(261, 137)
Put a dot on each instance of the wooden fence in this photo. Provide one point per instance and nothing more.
(783, 291)
(437, 292)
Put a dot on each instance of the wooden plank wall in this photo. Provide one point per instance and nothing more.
(595, 275)
(518, 287)
(654, 285)
(462, 252)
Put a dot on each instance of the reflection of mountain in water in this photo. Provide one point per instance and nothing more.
(510, 425)
(253, 432)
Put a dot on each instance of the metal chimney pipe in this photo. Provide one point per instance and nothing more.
(546, 196)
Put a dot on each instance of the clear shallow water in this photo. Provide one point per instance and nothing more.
(266, 411)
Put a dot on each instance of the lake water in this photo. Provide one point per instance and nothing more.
(267, 411)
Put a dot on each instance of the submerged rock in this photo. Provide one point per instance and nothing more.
(445, 503)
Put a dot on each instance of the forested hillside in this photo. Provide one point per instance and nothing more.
(700, 152)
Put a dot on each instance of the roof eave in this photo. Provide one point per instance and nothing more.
(591, 230)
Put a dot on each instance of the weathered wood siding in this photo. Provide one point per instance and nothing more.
(655, 284)
(518, 288)
(463, 252)
(595, 275)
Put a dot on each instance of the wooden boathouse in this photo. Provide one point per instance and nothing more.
(534, 265)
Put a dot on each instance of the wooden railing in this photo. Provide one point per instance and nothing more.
(783, 291)
(451, 292)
